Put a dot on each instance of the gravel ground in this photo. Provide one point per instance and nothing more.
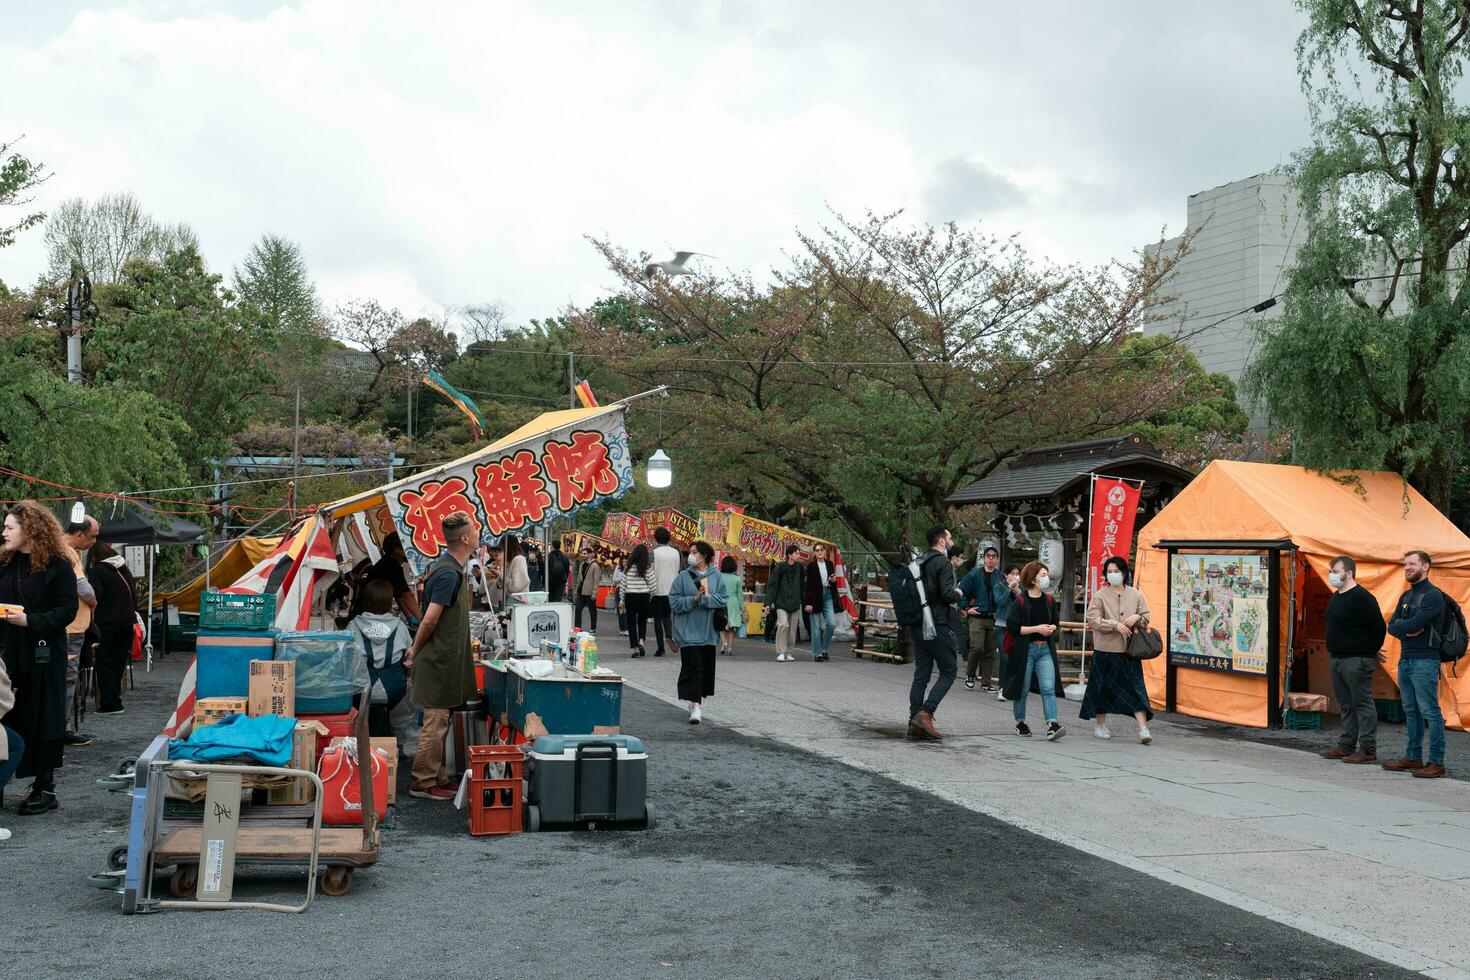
(767, 861)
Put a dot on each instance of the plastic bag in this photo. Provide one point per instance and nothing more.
(329, 669)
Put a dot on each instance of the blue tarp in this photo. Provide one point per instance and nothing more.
(266, 739)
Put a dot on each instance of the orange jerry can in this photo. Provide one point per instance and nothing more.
(341, 795)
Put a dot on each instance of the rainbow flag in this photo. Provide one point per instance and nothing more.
(461, 401)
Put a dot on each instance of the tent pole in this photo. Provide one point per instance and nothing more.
(148, 627)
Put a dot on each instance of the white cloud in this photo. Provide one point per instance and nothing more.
(450, 152)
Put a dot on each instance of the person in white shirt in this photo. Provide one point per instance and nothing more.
(517, 572)
(667, 563)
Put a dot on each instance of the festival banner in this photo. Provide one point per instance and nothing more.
(713, 526)
(623, 530)
(683, 529)
(606, 552)
(761, 540)
(729, 508)
(1110, 528)
(514, 487)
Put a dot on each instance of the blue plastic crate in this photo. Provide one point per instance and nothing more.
(222, 660)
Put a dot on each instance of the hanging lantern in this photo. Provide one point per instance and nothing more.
(660, 470)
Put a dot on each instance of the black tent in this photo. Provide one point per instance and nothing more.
(131, 522)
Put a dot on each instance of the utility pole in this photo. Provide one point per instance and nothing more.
(296, 439)
(78, 306)
(572, 379)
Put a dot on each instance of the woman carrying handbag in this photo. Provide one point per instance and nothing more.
(1118, 616)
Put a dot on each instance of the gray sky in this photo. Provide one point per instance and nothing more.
(442, 152)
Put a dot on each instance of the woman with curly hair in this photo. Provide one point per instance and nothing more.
(38, 590)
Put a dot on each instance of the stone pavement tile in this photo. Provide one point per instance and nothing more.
(1343, 805)
(1446, 834)
(1183, 797)
(1420, 915)
(1412, 854)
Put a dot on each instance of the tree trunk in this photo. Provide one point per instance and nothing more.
(1432, 478)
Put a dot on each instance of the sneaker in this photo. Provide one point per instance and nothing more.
(432, 793)
(1101, 731)
(694, 715)
(1144, 735)
(76, 739)
(658, 653)
(114, 711)
(969, 683)
(1001, 695)
(987, 687)
(1054, 731)
(1023, 729)
(4, 834)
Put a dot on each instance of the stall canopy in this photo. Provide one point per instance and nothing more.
(548, 469)
(1372, 517)
(136, 523)
(235, 561)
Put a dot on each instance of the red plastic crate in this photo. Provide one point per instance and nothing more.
(344, 724)
(495, 789)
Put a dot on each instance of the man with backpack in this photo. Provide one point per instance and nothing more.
(941, 597)
(1418, 622)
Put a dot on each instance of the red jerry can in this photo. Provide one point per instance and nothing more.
(341, 796)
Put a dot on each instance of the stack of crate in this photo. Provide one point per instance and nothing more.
(495, 789)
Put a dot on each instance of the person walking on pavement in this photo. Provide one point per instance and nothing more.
(977, 606)
(696, 593)
(1005, 593)
(1355, 633)
(557, 570)
(1418, 619)
(734, 606)
(638, 596)
(783, 594)
(820, 597)
(439, 658)
(12, 746)
(666, 565)
(589, 580)
(115, 618)
(939, 652)
(1031, 629)
(80, 536)
(1115, 683)
(38, 586)
(620, 591)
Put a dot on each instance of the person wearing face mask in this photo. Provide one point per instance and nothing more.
(1115, 684)
(1418, 618)
(1004, 593)
(1355, 633)
(1031, 630)
(694, 596)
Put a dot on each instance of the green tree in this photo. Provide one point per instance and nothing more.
(274, 277)
(1367, 365)
(104, 235)
(1205, 422)
(18, 177)
(172, 329)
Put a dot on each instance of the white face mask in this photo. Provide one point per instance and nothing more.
(1115, 578)
(1334, 579)
(1043, 581)
(693, 558)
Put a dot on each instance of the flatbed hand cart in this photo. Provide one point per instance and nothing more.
(273, 836)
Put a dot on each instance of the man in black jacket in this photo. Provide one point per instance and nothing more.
(1418, 619)
(1355, 633)
(943, 598)
(557, 568)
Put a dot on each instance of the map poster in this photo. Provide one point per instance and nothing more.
(1218, 612)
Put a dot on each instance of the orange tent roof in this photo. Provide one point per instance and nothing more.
(1374, 517)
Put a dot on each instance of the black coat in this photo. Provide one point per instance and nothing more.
(811, 593)
(557, 569)
(1016, 644)
(50, 600)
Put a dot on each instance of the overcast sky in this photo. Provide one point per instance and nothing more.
(434, 152)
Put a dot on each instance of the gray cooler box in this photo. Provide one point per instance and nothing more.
(575, 779)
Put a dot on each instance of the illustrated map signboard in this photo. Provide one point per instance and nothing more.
(1218, 612)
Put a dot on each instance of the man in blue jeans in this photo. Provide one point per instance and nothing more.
(1416, 622)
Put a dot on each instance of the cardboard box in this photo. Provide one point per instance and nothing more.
(305, 746)
(388, 744)
(207, 711)
(272, 688)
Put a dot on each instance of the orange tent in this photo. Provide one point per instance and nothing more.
(1373, 517)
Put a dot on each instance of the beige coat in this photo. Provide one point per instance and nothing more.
(7, 701)
(1108, 607)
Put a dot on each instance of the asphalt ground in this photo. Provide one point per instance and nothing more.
(766, 861)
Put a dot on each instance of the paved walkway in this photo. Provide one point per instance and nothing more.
(1371, 860)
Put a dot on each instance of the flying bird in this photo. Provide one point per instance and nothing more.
(674, 267)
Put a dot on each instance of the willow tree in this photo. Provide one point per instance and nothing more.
(885, 366)
(1369, 365)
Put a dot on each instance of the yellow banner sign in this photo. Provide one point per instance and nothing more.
(755, 538)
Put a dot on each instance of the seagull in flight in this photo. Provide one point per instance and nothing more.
(674, 267)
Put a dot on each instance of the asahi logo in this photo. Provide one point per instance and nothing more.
(544, 626)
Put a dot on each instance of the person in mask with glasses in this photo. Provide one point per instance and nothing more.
(1031, 638)
(1115, 684)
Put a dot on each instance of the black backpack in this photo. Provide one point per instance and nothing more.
(1453, 637)
(905, 586)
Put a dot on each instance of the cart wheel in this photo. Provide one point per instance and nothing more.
(650, 820)
(337, 881)
(184, 880)
(126, 767)
(117, 860)
(533, 819)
